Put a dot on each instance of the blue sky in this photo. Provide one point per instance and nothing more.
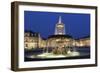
(77, 25)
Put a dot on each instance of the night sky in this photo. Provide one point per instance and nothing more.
(76, 25)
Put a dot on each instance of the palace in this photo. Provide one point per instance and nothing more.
(33, 40)
(58, 41)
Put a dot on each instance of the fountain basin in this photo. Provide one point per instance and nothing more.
(51, 55)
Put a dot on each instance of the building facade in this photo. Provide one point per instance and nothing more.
(60, 40)
(33, 40)
(83, 42)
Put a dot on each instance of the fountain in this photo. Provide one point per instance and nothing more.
(60, 52)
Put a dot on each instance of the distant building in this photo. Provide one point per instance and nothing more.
(60, 28)
(85, 41)
(32, 40)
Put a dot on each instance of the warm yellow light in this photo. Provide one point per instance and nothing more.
(57, 39)
(60, 26)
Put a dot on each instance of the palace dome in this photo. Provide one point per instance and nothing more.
(59, 36)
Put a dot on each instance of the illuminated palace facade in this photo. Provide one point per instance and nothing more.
(59, 40)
